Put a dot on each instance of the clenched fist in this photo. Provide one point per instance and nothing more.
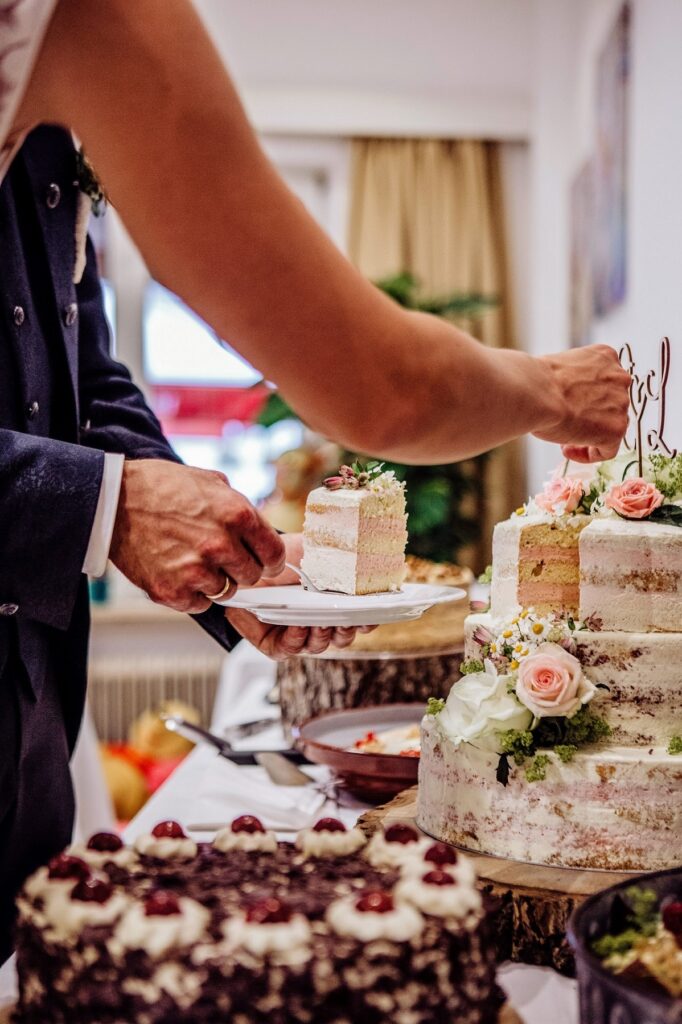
(589, 392)
(180, 532)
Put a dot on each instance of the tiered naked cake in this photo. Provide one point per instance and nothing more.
(245, 929)
(561, 745)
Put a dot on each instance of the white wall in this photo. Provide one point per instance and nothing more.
(570, 34)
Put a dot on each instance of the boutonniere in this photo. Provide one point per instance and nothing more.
(91, 199)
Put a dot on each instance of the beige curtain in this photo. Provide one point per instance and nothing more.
(434, 207)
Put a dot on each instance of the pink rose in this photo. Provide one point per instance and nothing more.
(634, 498)
(551, 682)
(561, 495)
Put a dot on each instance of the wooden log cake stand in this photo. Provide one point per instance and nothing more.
(535, 901)
(397, 663)
(311, 686)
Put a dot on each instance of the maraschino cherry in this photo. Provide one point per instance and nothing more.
(105, 842)
(401, 834)
(92, 890)
(65, 866)
(161, 903)
(168, 830)
(329, 825)
(437, 877)
(247, 823)
(375, 902)
(672, 919)
(440, 854)
(268, 911)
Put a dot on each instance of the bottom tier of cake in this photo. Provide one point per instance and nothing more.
(617, 808)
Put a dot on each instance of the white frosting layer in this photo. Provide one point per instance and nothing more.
(331, 568)
(456, 900)
(250, 842)
(267, 939)
(463, 871)
(401, 924)
(618, 808)
(159, 933)
(329, 844)
(62, 918)
(382, 854)
(643, 702)
(166, 848)
(125, 857)
(631, 576)
(183, 985)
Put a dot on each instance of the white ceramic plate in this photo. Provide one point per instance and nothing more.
(294, 606)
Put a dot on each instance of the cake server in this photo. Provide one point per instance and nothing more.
(195, 733)
(303, 577)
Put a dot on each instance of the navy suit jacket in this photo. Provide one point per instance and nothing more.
(63, 402)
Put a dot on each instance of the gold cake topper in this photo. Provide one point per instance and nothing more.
(645, 390)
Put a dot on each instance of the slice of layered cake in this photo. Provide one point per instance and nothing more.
(355, 532)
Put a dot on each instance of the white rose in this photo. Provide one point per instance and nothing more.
(479, 706)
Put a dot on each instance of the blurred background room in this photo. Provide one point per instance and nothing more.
(514, 165)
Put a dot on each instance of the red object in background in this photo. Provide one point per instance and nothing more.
(204, 411)
(155, 771)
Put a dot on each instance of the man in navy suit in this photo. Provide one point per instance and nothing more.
(65, 407)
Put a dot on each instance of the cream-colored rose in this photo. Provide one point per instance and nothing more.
(551, 683)
(479, 706)
(634, 499)
(561, 495)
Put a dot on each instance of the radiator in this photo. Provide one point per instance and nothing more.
(120, 688)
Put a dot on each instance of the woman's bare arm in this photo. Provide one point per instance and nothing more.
(144, 88)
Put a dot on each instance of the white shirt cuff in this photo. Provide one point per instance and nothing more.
(96, 556)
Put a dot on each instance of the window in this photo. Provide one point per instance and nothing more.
(205, 394)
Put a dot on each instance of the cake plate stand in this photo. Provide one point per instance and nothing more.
(535, 901)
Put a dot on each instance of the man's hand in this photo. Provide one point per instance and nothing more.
(180, 532)
(589, 390)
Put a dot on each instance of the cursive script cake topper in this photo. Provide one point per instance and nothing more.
(643, 391)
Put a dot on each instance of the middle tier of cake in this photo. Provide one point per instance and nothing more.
(638, 674)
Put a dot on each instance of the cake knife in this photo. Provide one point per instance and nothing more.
(195, 733)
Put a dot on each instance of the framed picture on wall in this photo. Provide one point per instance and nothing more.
(610, 168)
(581, 286)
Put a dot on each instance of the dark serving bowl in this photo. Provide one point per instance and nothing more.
(607, 998)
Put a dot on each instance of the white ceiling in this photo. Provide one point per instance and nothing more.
(468, 53)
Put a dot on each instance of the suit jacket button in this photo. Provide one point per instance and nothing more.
(53, 194)
(32, 410)
(70, 314)
(18, 315)
(9, 609)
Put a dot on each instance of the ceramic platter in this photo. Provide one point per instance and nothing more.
(295, 606)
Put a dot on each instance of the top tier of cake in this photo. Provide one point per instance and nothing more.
(613, 574)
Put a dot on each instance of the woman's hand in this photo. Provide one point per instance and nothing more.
(281, 642)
